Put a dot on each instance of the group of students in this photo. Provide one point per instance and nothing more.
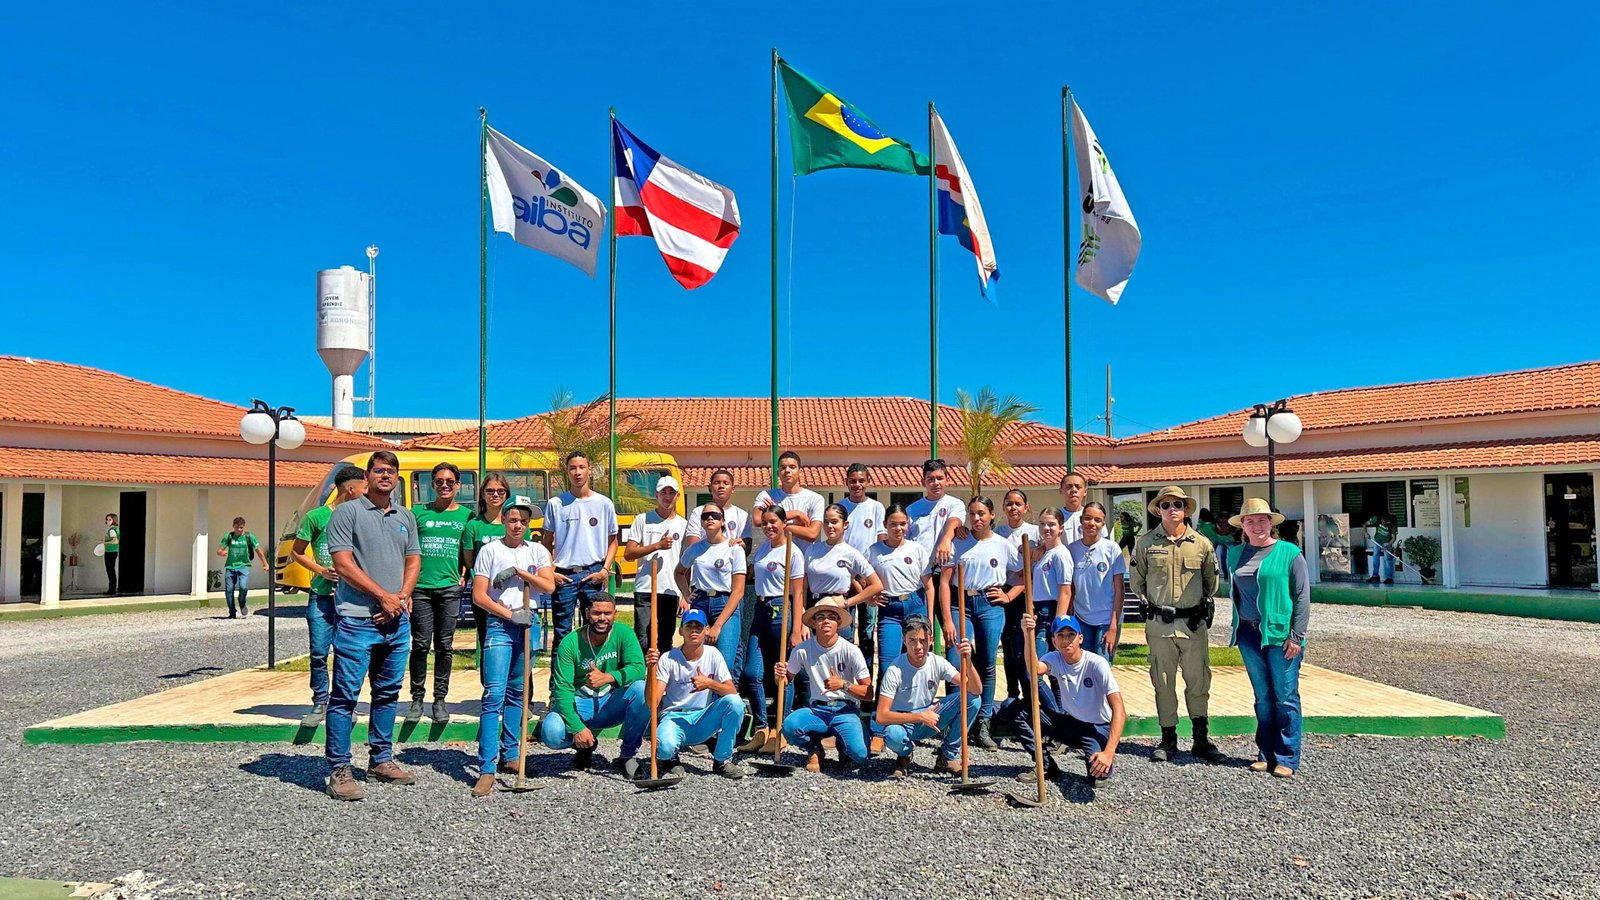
(867, 592)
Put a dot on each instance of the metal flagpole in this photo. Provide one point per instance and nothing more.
(611, 462)
(1069, 257)
(773, 478)
(933, 292)
(483, 294)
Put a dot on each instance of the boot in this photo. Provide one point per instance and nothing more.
(1168, 748)
(983, 738)
(758, 740)
(1203, 749)
(414, 713)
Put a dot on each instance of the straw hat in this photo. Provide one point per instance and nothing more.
(1172, 492)
(1255, 506)
(834, 603)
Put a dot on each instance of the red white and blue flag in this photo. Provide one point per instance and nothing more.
(693, 219)
(959, 212)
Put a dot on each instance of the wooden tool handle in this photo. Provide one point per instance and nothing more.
(783, 641)
(655, 641)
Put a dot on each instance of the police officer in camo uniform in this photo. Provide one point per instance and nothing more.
(1175, 571)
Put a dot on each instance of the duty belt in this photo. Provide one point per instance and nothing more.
(1200, 613)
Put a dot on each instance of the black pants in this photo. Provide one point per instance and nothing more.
(1013, 652)
(111, 571)
(666, 619)
(433, 622)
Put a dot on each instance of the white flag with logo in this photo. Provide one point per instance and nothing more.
(539, 206)
(1110, 243)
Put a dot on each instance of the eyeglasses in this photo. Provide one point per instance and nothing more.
(494, 491)
(444, 482)
(383, 470)
(710, 515)
(1172, 504)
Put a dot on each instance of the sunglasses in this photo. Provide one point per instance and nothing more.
(491, 490)
(444, 482)
(1171, 504)
(710, 515)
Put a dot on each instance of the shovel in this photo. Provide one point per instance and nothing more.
(655, 782)
(776, 768)
(967, 785)
(1032, 654)
(522, 785)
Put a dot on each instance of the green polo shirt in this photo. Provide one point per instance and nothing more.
(440, 534)
(314, 531)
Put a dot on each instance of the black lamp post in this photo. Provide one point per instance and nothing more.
(276, 428)
(1269, 425)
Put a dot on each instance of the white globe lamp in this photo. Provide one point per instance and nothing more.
(256, 427)
(1255, 431)
(1283, 427)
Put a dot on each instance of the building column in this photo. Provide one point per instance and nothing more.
(1310, 535)
(200, 556)
(11, 543)
(1596, 476)
(1447, 531)
(50, 587)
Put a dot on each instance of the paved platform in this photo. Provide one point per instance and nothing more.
(266, 706)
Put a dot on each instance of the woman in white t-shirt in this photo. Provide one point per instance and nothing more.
(1015, 529)
(835, 569)
(773, 582)
(902, 566)
(711, 576)
(986, 560)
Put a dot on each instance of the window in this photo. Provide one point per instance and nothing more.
(903, 498)
(530, 483)
(422, 488)
(1226, 502)
(1363, 500)
(702, 498)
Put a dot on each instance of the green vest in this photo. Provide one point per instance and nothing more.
(1272, 591)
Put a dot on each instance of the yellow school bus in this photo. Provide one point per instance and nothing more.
(534, 474)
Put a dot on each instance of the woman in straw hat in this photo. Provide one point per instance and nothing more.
(1271, 608)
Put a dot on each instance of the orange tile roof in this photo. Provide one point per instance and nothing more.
(879, 422)
(895, 476)
(149, 468)
(1575, 386)
(40, 392)
(1577, 450)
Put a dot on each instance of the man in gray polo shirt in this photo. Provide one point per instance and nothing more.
(375, 550)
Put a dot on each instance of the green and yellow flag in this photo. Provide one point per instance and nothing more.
(825, 132)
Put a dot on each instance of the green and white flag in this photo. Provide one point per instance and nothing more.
(540, 206)
(1110, 243)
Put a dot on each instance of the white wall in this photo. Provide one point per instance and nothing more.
(1506, 543)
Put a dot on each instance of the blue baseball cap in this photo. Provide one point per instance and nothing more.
(694, 617)
(1066, 622)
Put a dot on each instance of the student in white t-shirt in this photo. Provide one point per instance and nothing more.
(865, 528)
(1015, 529)
(839, 680)
(902, 567)
(697, 698)
(836, 569)
(1074, 491)
(906, 710)
(1090, 714)
(507, 574)
(580, 531)
(1098, 570)
(985, 560)
(775, 568)
(736, 522)
(654, 541)
(937, 515)
(1052, 582)
(802, 506)
(711, 577)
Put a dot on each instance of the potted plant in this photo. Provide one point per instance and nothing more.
(1423, 552)
(73, 540)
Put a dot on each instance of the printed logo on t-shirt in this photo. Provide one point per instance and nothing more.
(943, 512)
(720, 562)
(1088, 682)
(906, 560)
(868, 523)
(1101, 567)
(933, 683)
(772, 567)
(843, 564)
(994, 563)
(593, 521)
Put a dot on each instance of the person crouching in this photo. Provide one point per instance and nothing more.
(906, 710)
(688, 677)
(839, 680)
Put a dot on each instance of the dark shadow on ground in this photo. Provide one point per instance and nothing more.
(199, 670)
(309, 772)
(451, 763)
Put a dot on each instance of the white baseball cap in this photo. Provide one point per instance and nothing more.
(667, 481)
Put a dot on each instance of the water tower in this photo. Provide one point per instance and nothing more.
(343, 301)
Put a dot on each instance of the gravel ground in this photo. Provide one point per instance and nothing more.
(1367, 817)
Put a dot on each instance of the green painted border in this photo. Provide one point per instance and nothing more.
(67, 610)
(1565, 609)
(1487, 725)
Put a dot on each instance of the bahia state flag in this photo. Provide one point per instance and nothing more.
(539, 206)
(693, 219)
(1111, 239)
(959, 211)
(827, 133)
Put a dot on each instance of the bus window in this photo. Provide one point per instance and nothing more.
(530, 483)
(422, 488)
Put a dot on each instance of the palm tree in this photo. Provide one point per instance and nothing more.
(983, 423)
(586, 427)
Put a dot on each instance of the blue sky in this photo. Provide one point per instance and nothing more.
(1329, 197)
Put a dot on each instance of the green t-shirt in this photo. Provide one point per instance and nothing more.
(314, 531)
(113, 538)
(440, 534)
(478, 532)
(241, 547)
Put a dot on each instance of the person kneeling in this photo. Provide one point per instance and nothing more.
(596, 682)
(1091, 714)
(839, 679)
(687, 677)
(906, 710)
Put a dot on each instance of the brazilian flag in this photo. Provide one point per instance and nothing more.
(827, 133)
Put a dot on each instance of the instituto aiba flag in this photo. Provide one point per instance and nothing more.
(825, 132)
(1111, 240)
(539, 206)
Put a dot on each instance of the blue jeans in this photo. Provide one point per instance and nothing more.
(1094, 639)
(320, 621)
(625, 707)
(500, 713)
(1381, 563)
(985, 621)
(900, 739)
(1084, 737)
(807, 727)
(363, 649)
(721, 718)
(236, 581)
(892, 618)
(569, 598)
(1276, 682)
(730, 641)
(764, 626)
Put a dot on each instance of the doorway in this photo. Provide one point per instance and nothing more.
(32, 568)
(1569, 529)
(130, 558)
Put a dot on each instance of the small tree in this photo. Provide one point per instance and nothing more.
(983, 423)
(586, 427)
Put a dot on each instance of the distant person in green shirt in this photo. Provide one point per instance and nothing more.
(310, 549)
(485, 525)
(113, 543)
(437, 599)
(238, 547)
(1380, 562)
(597, 682)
